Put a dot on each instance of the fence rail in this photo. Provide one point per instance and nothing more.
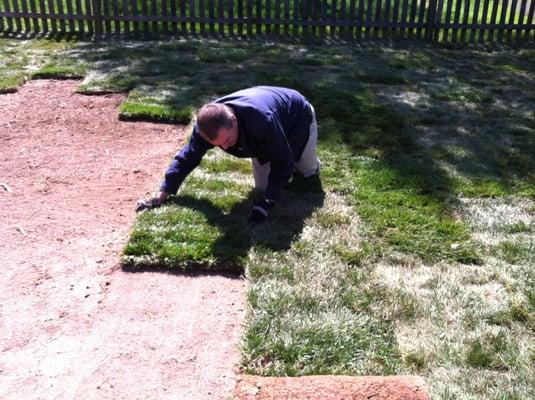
(454, 21)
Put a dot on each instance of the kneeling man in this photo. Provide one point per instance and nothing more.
(274, 126)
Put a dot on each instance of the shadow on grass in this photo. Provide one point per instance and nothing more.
(229, 251)
(472, 118)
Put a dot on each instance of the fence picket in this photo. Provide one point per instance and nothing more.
(174, 16)
(387, 27)
(9, 20)
(165, 15)
(154, 12)
(342, 28)
(475, 18)
(304, 16)
(68, 4)
(192, 27)
(530, 20)
(24, 7)
(502, 20)
(313, 16)
(202, 16)
(466, 13)
(267, 25)
(35, 20)
(421, 19)
(277, 17)
(135, 15)
(456, 19)
(61, 12)
(89, 13)
(258, 17)
(249, 18)
(522, 14)
(296, 18)
(51, 12)
(18, 23)
(435, 17)
(144, 16)
(511, 20)
(240, 17)
(80, 14)
(438, 20)
(447, 20)
(221, 15)
(105, 4)
(395, 18)
(231, 16)
(412, 18)
(332, 19)
(369, 7)
(378, 7)
(322, 17)
(351, 28)
(286, 17)
(183, 17)
(493, 18)
(404, 13)
(126, 22)
(211, 15)
(484, 17)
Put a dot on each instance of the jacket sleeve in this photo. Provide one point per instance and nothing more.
(278, 152)
(184, 162)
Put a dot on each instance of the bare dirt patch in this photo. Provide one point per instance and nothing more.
(332, 388)
(72, 323)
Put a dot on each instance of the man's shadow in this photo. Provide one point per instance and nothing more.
(230, 250)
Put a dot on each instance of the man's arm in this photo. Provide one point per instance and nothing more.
(184, 162)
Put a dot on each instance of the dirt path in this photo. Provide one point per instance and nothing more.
(72, 323)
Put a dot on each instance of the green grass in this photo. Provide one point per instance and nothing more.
(414, 254)
(130, 111)
(23, 60)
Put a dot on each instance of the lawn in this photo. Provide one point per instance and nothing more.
(414, 253)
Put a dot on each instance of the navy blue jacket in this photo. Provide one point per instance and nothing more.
(273, 126)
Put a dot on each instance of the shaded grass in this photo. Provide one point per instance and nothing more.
(22, 60)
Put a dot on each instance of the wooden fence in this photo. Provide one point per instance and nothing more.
(434, 20)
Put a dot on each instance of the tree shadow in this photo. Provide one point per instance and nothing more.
(229, 251)
(357, 89)
(470, 117)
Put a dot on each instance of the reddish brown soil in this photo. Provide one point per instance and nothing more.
(73, 325)
(332, 388)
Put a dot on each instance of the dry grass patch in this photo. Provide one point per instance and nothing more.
(472, 334)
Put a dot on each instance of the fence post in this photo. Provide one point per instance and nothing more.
(431, 16)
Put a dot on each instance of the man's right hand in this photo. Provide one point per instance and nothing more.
(148, 204)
